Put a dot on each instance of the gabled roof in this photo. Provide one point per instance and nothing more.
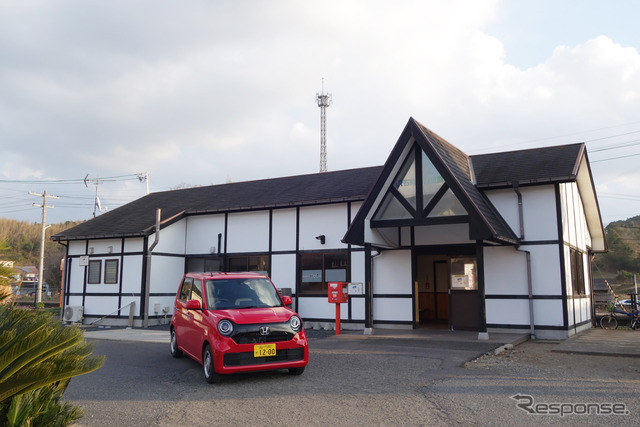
(480, 209)
(545, 165)
(526, 167)
(138, 217)
(454, 167)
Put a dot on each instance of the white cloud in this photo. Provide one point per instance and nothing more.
(202, 92)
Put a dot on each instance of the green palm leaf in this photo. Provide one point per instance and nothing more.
(36, 351)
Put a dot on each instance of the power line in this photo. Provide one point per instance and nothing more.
(615, 158)
(585, 131)
(129, 177)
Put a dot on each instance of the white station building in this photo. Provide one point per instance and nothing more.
(436, 238)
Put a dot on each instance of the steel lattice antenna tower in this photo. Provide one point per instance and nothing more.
(324, 100)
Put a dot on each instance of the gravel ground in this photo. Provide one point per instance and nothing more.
(561, 381)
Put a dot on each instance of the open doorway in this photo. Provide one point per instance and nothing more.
(447, 295)
(433, 290)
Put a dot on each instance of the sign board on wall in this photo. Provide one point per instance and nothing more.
(84, 260)
(355, 289)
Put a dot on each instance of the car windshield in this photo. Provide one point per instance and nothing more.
(223, 294)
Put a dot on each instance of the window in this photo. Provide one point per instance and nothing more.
(577, 272)
(418, 192)
(185, 289)
(196, 291)
(317, 269)
(463, 274)
(198, 265)
(95, 272)
(111, 271)
(255, 263)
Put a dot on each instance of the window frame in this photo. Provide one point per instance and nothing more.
(187, 281)
(248, 258)
(577, 272)
(117, 271)
(94, 262)
(323, 281)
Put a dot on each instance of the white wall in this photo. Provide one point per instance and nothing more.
(392, 273)
(76, 281)
(545, 269)
(539, 211)
(507, 311)
(548, 312)
(357, 267)
(320, 308)
(441, 235)
(134, 244)
(506, 202)
(575, 229)
(166, 273)
(506, 274)
(248, 232)
(172, 238)
(202, 233)
(105, 247)
(283, 236)
(393, 309)
(99, 306)
(505, 271)
(283, 271)
(132, 274)
(328, 220)
(77, 247)
(357, 309)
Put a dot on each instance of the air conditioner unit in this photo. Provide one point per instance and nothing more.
(73, 313)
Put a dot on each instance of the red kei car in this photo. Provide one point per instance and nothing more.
(236, 322)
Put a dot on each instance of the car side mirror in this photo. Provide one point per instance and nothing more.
(193, 304)
(286, 300)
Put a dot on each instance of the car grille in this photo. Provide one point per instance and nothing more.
(247, 359)
(250, 334)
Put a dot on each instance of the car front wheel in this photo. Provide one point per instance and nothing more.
(296, 371)
(210, 373)
(175, 351)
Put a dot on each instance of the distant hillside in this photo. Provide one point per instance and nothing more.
(623, 258)
(20, 242)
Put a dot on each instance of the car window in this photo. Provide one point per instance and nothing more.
(196, 291)
(185, 290)
(241, 293)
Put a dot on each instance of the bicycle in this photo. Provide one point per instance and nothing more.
(610, 321)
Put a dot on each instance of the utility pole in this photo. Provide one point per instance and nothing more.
(42, 238)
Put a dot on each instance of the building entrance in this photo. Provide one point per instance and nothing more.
(447, 294)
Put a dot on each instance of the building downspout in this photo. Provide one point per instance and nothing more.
(520, 210)
(532, 329)
(145, 320)
(368, 289)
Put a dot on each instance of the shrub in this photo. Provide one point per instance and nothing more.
(38, 357)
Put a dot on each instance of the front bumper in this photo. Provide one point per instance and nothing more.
(230, 357)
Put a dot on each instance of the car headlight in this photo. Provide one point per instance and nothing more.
(296, 323)
(225, 327)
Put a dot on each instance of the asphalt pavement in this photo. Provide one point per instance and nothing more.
(389, 378)
(595, 341)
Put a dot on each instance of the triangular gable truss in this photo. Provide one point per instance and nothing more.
(453, 166)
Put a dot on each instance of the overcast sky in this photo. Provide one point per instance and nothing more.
(208, 92)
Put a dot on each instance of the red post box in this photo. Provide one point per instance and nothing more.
(338, 293)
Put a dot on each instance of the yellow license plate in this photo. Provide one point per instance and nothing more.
(262, 350)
